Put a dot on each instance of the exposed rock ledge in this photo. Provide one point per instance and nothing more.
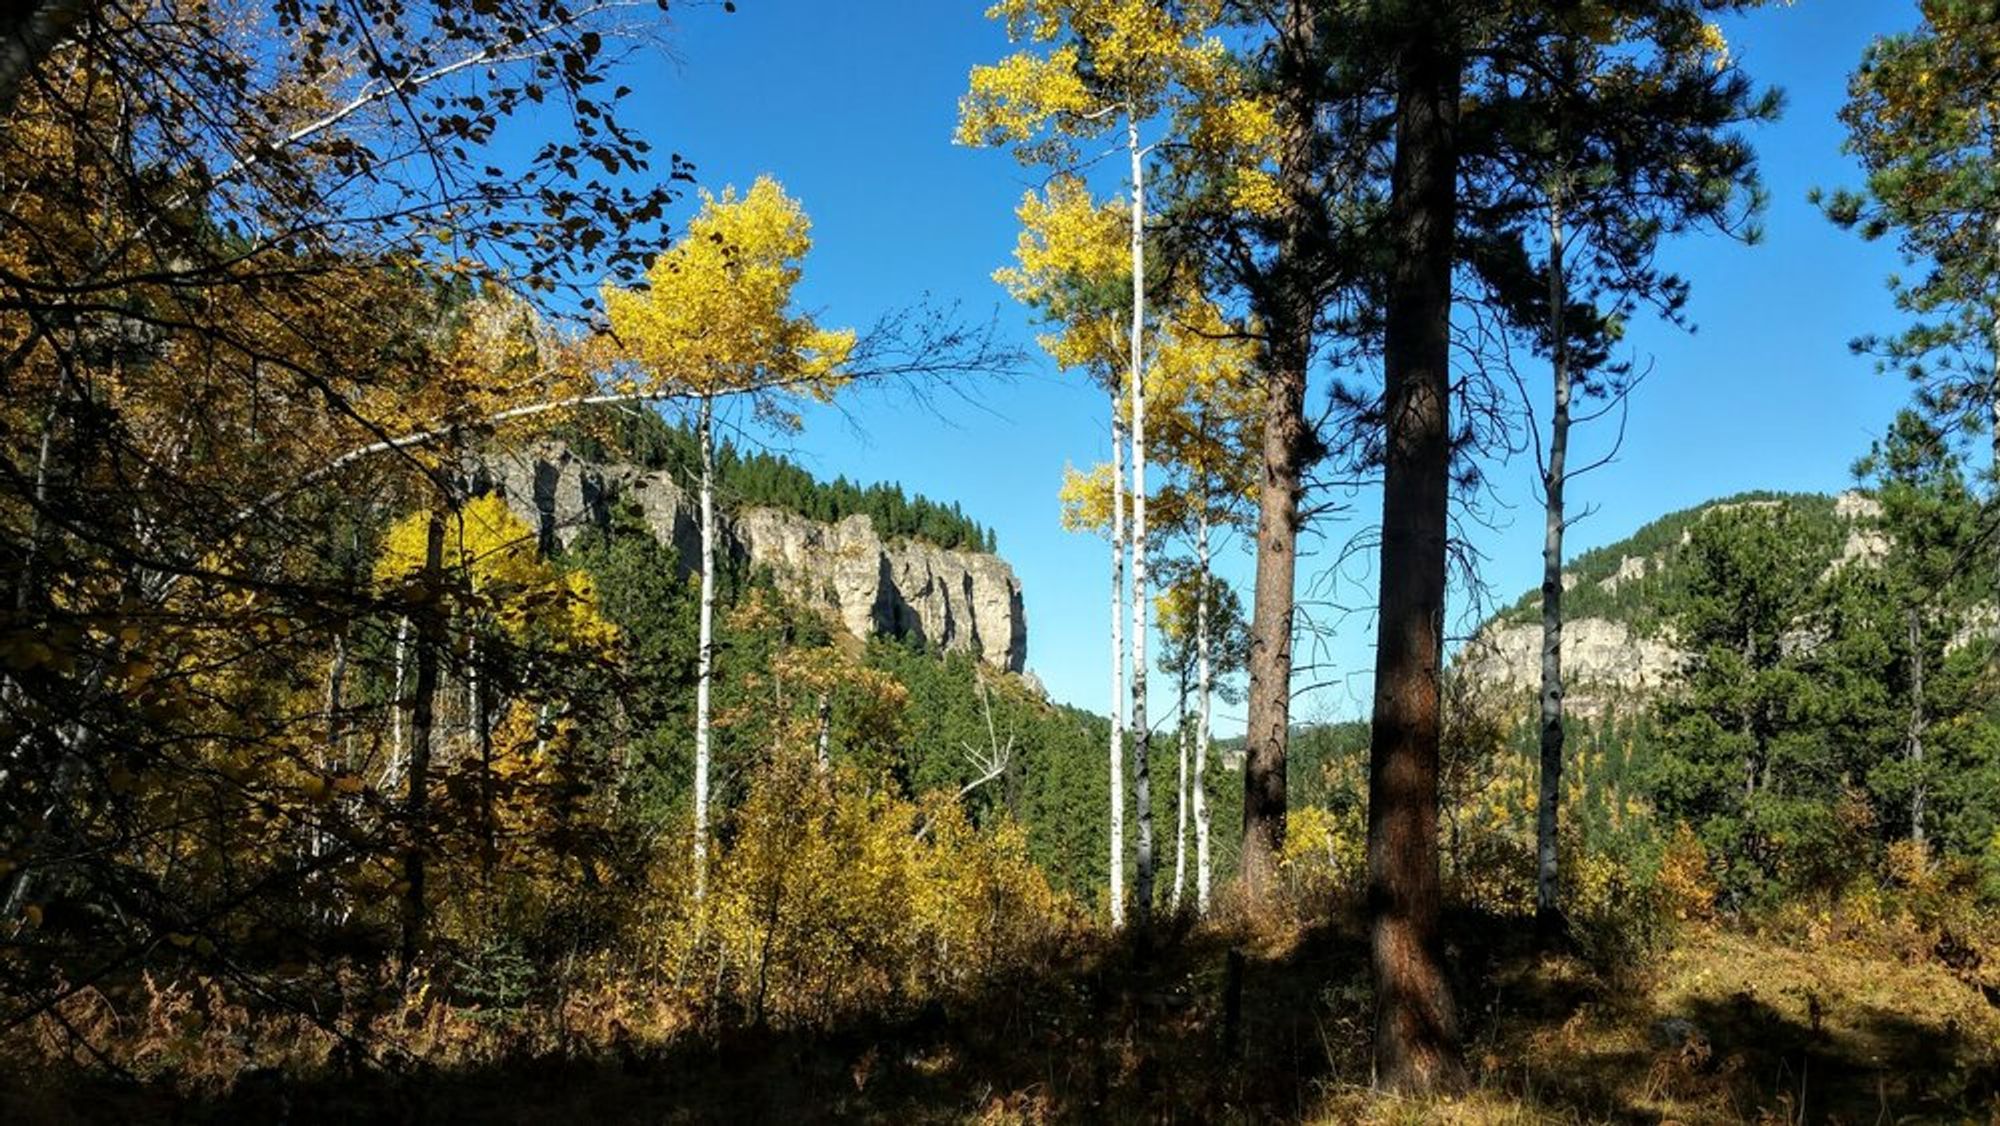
(956, 600)
(1603, 661)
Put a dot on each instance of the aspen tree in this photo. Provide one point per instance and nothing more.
(1100, 65)
(716, 320)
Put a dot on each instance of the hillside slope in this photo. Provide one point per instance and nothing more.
(1616, 640)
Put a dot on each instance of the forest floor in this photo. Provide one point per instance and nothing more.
(1721, 1027)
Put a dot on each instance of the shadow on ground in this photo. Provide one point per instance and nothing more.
(1115, 1038)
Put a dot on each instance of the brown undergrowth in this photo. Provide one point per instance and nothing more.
(1722, 1025)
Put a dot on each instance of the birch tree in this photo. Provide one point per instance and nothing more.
(716, 319)
(1068, 256)
(1102, 68)
(1212, 402)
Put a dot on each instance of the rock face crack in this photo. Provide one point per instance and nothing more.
(956, 601)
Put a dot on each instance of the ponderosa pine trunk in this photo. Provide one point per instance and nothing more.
(1117, 764)
(430, 630)
(1285, 449)
(1548, 905)
(705, 656)
(1416, 1022)
(1142, 732)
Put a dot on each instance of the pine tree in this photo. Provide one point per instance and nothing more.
(1616, 127)
(1923, 115)
(1736, 749)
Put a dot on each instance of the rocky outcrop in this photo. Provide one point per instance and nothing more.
(1605, 660)
(1602, 661)
(958, 601)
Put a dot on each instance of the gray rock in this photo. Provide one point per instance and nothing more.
(1603, 660)
(958, 601)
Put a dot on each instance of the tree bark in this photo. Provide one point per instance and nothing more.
(1202, 676)
(1117, 833)
(705, 658)
(430, 623)
(1180, 807)
(1915, 742)
(823, 740)
(392, 772)
(1288, 314)
(477, 701)
(1416, 1022)
(1548, 906)
(1142, 734)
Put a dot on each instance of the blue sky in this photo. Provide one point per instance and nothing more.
(852, 105)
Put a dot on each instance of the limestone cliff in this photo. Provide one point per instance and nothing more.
(956, 600)
(1617, 645)
(1603, 661)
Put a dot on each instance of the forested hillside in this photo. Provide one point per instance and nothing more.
(1634, 581)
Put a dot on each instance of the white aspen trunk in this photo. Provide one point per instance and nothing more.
(1117, 662)
(392, 773)
(705, 660)
(1142, 789)
(823, 746)
(481, 724)
(1547, 884)
(1202, 686)
(332, 759)
(471, 683)
(1181, 806)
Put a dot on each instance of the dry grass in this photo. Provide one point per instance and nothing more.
(1725, 1027)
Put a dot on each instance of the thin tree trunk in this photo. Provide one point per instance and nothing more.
(1548, 907)
(1915, 747)
(478, 703)
(823, 744)
(1142, 735)
(1416, 1022)
(336, 681)
(1287, 446)
(705, 659)
(1750, 724)
(1181, 805)
(1201, 862)
(430, 640)
(392, 772)
(1117, 662)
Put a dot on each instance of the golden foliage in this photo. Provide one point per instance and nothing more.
(1686, 880)
(834, 895)
(716, 314)
(1325, 855)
